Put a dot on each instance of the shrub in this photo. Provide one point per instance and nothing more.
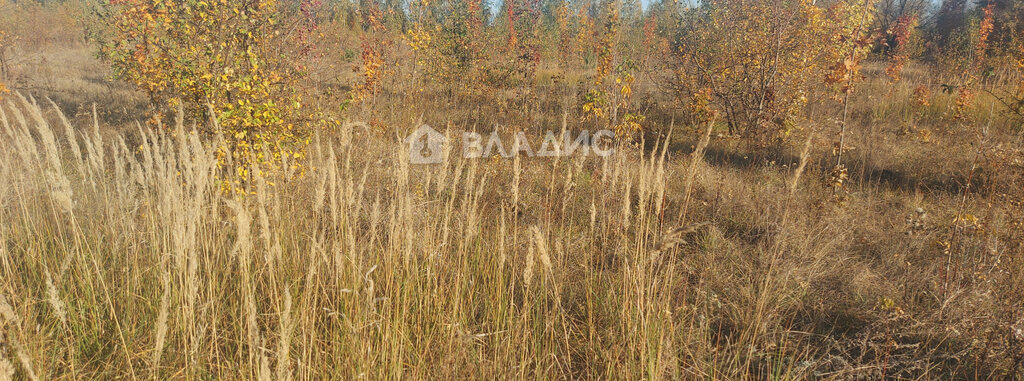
(760, 60)
(1003, 26)
(448, 38)
(226, 61)
(375, 44)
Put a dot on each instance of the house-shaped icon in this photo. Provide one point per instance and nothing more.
(426, 145)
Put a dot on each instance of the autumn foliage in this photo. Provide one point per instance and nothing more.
(226, 61)
(626, 189)
(760, 61)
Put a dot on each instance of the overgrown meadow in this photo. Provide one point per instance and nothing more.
(214, 189)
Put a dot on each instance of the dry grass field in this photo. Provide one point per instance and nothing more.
(690, 253)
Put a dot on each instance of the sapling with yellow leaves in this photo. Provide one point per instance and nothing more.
(224, 62)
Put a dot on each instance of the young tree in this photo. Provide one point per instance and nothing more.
(1003, 27)
(950, 17)
(447, 37)
(760, 60)
(899, 20)
(229, 61)
(522, 18)
(897, 44)
(6, 41)
(375, 45)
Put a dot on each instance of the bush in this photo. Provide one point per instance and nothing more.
(760, 60)
(223, 60)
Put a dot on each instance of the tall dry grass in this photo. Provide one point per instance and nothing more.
(122, 259)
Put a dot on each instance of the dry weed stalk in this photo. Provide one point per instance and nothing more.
(696, 158)
(11, 325)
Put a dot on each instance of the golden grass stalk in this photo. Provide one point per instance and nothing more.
(69, 133)
(804, 156)
(284, 344)
(6, 370)
(53, 299)
(695, 159)
(528, 270)
(9, 319)
(542, 248)
(161, 323)
(242, 252)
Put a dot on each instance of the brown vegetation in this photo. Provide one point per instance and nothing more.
(692, 253)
